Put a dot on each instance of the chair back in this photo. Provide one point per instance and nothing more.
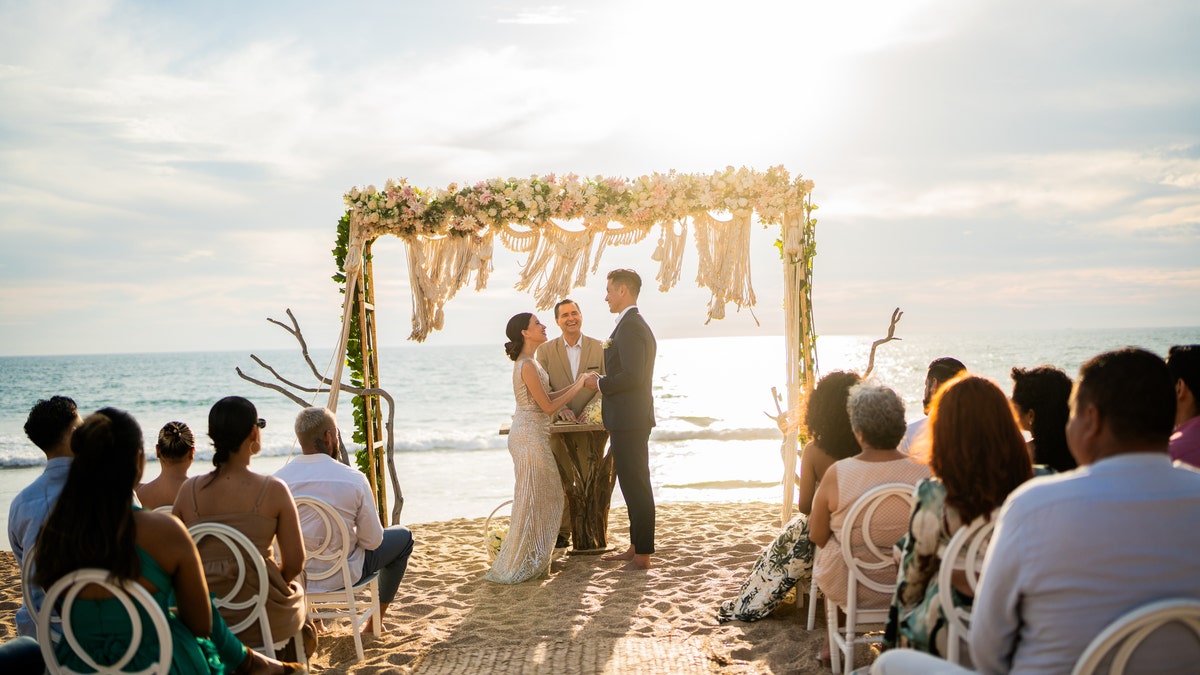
(878, 554)
(129, 595)
(1124, 635)
(248, 558)
(328, 556)
(969, 544)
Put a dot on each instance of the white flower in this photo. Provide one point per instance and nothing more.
(606, 343)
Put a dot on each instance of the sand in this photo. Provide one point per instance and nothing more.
(587, 617)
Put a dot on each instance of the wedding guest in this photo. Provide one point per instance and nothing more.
(319, 475)
(877, 418)
(1184, 362)
(788, 560)
(95, 524)
(1075, 551)
(977, 457)
(175, 450)
(49, 426)
(563, 359)
(258, 506)
(940, 371)
(1041, 398)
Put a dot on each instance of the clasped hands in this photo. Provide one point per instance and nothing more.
(591, 380)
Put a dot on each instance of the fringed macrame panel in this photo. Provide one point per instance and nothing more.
(724, 250)
(669, 254)
(558, 263)
(437, 269)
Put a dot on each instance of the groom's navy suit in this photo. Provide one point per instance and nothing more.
(628, 412)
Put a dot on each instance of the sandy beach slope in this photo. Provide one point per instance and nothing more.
(587, 617)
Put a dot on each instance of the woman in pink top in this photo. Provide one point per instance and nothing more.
(877, 418)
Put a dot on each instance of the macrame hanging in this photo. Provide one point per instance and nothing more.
(622, 236)
(437, 269)
(557, 264)
(724, 269)
(669, 254)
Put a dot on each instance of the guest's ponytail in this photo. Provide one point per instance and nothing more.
(230, 422)
(516, 340)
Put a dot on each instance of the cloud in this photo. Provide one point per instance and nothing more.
(545, 15)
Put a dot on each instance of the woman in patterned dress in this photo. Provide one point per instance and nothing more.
(977, 457)
(788, 559)
(538, 493)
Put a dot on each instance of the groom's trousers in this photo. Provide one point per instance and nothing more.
(631, 459)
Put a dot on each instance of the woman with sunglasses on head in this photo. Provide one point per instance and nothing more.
(258, 506)
(95, 524)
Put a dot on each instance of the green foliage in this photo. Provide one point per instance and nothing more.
(353, 347)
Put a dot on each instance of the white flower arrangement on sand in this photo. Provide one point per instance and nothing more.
(591, 412)
(495, 539)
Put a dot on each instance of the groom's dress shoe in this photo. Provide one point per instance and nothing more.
(563, 541)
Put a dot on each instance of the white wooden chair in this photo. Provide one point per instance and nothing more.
(813, 592)
(971, 542)
(130, 595)
(1123, 636)
(248, 558)
(860, 517)
(328, 559)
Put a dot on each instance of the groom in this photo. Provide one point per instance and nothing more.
(628, 411)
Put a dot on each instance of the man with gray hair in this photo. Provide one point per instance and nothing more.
(319, 475)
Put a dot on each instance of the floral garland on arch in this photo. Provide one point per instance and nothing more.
(450, 232)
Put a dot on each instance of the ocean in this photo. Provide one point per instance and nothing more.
(713, 442)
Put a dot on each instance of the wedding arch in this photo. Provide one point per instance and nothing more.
(564, 224)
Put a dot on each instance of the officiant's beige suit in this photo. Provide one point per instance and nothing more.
(553, 357)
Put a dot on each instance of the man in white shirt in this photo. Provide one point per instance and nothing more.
(1074, 552)
(318, 475)
(941, 370)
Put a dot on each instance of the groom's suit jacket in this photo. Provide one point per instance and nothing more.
(553, 358)
(629, 374)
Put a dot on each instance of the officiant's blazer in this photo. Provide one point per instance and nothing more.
(553, 357)
(627, 384)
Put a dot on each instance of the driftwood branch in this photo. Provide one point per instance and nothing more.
(389, 426)
(891, 335)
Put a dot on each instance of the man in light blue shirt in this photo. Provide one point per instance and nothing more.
(1074, 552)
(49, 426)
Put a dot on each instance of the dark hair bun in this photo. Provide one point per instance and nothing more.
(513, 331)
(512, 349)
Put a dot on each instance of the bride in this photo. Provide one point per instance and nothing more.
(538, 495)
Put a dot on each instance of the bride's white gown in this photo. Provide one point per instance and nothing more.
(538, 495)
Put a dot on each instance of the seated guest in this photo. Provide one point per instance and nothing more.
(318, 475)
(1074, 552)
(175, 450)
(977, 457)
(941, 370)
(49, 426)
(21, 656)
(1041, 398)
(259, 507)
(1184, 362)
(788, 559)
(877, 418)
(94, 524)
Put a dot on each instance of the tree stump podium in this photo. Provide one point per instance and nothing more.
(586, 468)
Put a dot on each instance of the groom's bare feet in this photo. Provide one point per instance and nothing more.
(638, 562)
(627, 554)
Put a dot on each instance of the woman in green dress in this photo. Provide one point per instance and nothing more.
(94, 524)
(977, 457)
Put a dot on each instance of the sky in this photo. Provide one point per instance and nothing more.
(171, 174)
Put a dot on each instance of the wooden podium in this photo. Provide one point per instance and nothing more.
(586, 468)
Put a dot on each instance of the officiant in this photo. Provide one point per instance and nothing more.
(564, 358)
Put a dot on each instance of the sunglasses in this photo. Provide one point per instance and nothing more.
(261, 423)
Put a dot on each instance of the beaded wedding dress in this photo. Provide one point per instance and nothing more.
(538, 495)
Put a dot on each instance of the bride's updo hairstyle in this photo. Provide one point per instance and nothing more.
(516, 341)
